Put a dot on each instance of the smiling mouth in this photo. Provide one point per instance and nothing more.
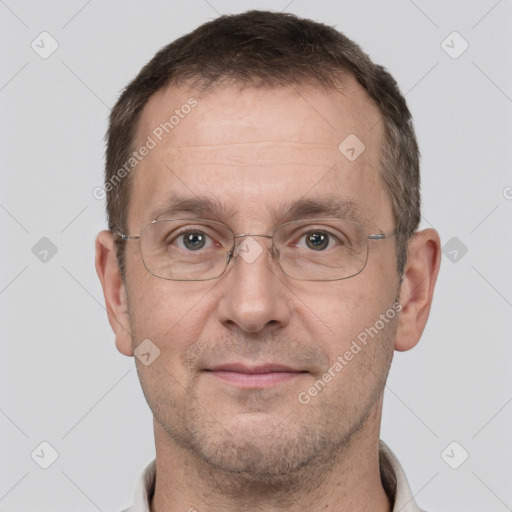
(247, 377)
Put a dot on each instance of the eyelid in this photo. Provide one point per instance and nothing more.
(179, 232)
(306, 229)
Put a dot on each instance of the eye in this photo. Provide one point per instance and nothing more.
(184, 238)
(318, 240)
(192, 240)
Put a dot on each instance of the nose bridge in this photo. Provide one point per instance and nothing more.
(250, 249)
(253, 297)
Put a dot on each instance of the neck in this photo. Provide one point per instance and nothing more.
(341, 481)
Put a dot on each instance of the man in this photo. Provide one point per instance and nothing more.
(263, 263)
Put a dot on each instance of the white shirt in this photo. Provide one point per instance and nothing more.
(392, 476)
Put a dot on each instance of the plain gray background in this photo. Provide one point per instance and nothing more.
(62, 380)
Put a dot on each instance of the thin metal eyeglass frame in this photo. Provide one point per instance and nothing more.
(231, 253)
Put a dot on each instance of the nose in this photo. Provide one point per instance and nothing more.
(255, 298)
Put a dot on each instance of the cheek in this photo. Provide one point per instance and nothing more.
(172, 318)
(334, 314)
(169, 313)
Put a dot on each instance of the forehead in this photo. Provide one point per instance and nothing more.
(257, 149)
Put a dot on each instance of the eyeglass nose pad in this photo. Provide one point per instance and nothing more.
(233, 254)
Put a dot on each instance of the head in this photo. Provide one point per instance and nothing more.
(248, 115)
(272, 50)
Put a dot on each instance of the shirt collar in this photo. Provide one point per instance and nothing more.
(392, 476)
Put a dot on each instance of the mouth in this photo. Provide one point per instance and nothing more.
(261, 376)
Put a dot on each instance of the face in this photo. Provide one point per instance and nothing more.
(255, 152)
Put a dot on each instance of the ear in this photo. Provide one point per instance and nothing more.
(417, 288)
(114, 291)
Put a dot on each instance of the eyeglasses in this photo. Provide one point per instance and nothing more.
(306, 250)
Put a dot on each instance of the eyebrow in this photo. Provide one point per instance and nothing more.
(199, 205)
(329, 206)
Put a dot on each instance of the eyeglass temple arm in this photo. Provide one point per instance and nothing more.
(126, 237)
(380, 236)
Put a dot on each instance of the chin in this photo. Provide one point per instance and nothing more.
(259, 446)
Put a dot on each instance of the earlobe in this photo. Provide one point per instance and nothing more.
(417, 288)
(114, 291)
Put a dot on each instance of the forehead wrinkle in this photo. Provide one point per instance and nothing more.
(272, 153)
(183, 166)
(258, 144)
(238, 147)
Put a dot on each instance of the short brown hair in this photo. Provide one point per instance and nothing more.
(263, 48)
